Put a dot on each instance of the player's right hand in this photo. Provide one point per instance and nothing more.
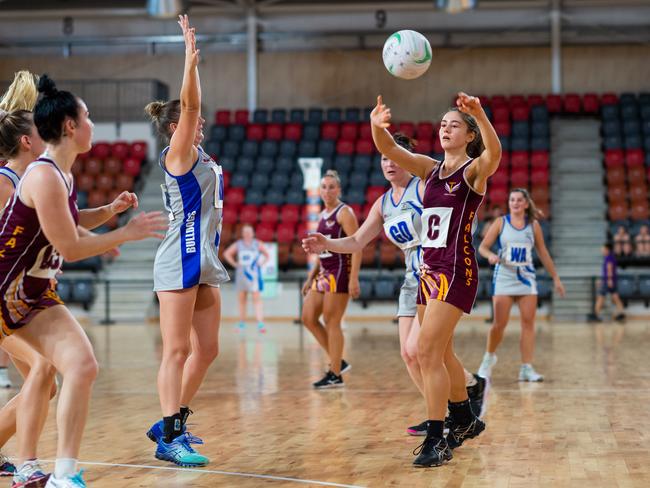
(314, 243)
(146, 224)
(493, 259)
(306, 287)
(380, 115)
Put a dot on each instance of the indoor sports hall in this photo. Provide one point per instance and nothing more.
(250, 243)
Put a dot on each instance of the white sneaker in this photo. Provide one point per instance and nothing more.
(528, 373)
(489, 360)
(5, 382)
(74, 481)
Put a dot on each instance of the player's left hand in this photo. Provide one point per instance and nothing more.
(559, 287)
(469, 105)
(354, 288)
(314, 243)
(123, 202)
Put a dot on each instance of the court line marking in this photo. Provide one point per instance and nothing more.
(211, 471)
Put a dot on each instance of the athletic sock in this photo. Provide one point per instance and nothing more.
(65, 467)
(461, 412)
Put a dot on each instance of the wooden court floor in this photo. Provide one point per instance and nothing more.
(263, 425)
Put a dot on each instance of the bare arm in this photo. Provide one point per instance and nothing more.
(92, 218)
(43, 190)
(417, 164)
(229, 255)
(545, 257)
(264, 252)
(488, 241)
(318, 243)
(488, 161)
(182, 152)
(6, 191)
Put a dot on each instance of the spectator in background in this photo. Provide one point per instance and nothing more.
(608, 286)
(622, 242)
(642, 242)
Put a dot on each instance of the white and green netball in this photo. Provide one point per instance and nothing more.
(407, 54)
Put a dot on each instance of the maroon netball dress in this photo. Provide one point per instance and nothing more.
(334, 275)
(28, 262)
(449, 270)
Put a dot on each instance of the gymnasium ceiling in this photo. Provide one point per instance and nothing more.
(110, 25)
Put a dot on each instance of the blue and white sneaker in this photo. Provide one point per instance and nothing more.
(6, 468)
(180, 452)
(30, 475)
(74, 481)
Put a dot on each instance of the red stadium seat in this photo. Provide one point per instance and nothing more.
(230, 215)
(93, 166)
(367, 208)
(572, 103)
(329, 131)
(634, 157)
(501, 113)
(298, 255)
(120, 149)
(293, 132)
(226, 179)
(609, 99)
(424, 130)
(369, 254)
(540, 194)
(132, 166)
(365, 132)
(424, 147)
(635, 175)
(364, 147)
(590, 103)
(614, 158)
(505, 160)
(97, 198)
(274, 132)
(112, 165)
(290, 213)
(248, 214)
(437, 146)
(265, 232)
(349, 131)
(539, 177)
(497, 100)
(640, 211)
(616, 193)
(284, 251)
(618, 211)
(534, 100)
(497, 195)
(500, 179)
(638, 193)
(503, 128)
(242, 117)
(83, 156)
(373, 193)
(301, 231)
(515, 100)
(519, 178)
(222, 117)
(124, 182)
(138, 150)
(545, 209)
(235, 196)
(255, 132)
(406, 128)
(615, 175)
(105, 182)
(539, 159)
(344, 147)
(85, 182)
(519, 159)
(101, 150)
(520, 112)
(389, 255)
(554, 103)
(269, 214)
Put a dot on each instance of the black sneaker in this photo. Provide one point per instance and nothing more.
(345, 366)
(459, 433)
(620, 317)
(593, 318)
(330, 380)
(418, 430)
(476, 394)
(432, 452)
